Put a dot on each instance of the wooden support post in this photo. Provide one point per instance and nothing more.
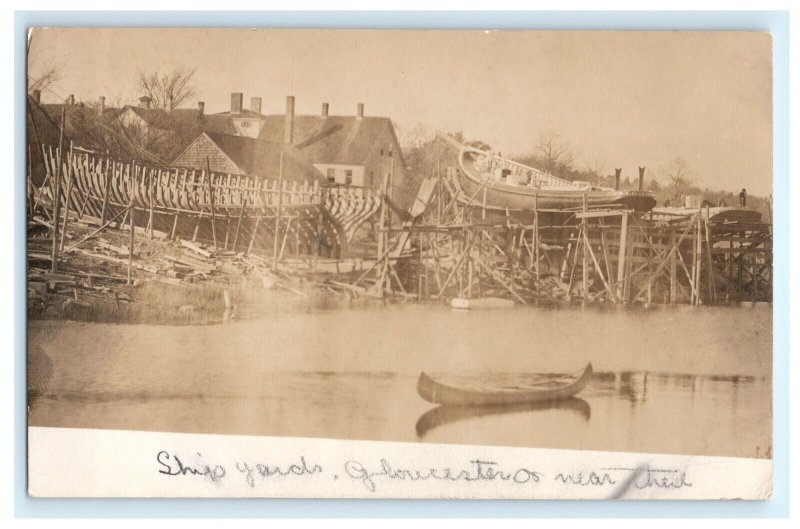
(673, 261)
(150, 192)
(699, 258)
(106, 194)
(623, 249)
(278, 213)
(536, 242)
(133, 230)
(68, 198)
(57, 197)
(712, 288)
(650, 270)
(584, 268)
(98, 230)
(211, 203)
(253, 235)
(239, 223)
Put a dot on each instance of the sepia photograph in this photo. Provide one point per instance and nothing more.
(553, 240)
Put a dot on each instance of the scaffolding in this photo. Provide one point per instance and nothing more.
(456, 247)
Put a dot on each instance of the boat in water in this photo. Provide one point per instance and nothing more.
(487, 179)
(539, 389)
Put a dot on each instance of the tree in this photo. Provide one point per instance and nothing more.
(44, 77)
(679, 174)
(555, 154)
(170, 88)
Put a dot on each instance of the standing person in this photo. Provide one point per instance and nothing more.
(743, 198)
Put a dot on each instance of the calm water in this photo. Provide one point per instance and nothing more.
(674, 380)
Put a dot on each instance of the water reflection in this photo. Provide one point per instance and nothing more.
(442, 415)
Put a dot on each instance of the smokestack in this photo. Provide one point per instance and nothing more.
(37, 96)
(170, 102)
(360, 111)
(102, 107)
(71, 100)
(616, 178)
(641, 178)
(255, 104)
(288, 124)
(201, 107)
(236, 103)
(324, 110)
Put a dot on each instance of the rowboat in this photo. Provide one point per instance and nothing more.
(542, 390)
(442, 415)
(489, 180)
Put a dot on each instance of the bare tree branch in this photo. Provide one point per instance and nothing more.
(47, 78)
(173, 87)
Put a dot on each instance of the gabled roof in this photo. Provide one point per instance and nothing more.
(262, 158)
(41, 129)
(181, 118)
(80, 123)
(331, 139)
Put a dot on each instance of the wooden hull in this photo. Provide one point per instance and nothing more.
(557, 195)
(237, 212)
(724, 214)
(450, 395)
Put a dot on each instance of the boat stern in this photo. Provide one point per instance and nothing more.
(636, 200)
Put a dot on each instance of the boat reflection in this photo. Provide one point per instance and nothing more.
(442, 415)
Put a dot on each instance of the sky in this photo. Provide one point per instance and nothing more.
(617, 99)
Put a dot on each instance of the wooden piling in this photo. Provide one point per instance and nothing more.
(211, 203)
(68, 198)
(132, 229)
(57, 197)
(584, 268)
(623, 248)
(278, 213)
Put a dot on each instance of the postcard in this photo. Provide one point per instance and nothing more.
(399, 263)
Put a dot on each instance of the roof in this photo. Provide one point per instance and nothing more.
(80, 123)
(331, 139)
(263, 158)
(41, 129)
(245, 113)
(181, 118)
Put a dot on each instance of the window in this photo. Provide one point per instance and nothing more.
(331, 174)
(390, 154)
(348, 176)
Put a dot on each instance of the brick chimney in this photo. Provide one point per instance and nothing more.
(288, 124)
(360, 111)
(101, 108)
(255, 104)
(170, 102)
(324, 110)
(37, 96)
(236, 102)
(201, 107)
(145, 101)
(71, 99)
